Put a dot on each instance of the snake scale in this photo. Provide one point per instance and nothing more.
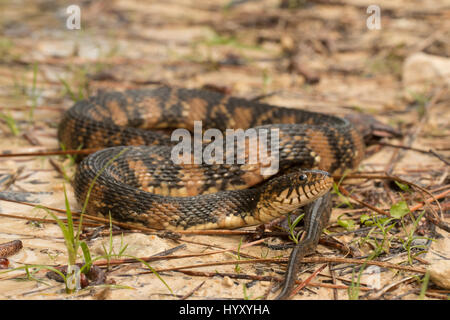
(145, 186)
(141, 183)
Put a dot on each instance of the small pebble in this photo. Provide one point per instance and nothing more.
(227, 282)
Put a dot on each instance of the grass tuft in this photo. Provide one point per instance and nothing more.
(11, 123)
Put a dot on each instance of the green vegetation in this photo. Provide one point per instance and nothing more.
(292, 225)
(423, 289)
(11, 123)
(72, 161)
(231, 41)
(420, 102)
(249, 296)
(387, 62)
(348, 224)
(73, 243)
(79, 95)
(34, 95)
(344, 200)
(7, 53)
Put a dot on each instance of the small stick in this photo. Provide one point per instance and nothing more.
(362, 176)
(439, 156)
(430, 151)
(279, 260)
(132, 226)
(435, 295)
(447, 186)
(48, 153)
(347, 194)
(411, 136)
(333, 278)
(304, 260)
(98, 219)
(192, 292)
(31, 139)
(27, 108)
(170, 251)
(429, 200)
(45, 220)
(390, 287)
(58, 169)
(163, 257)
(263, 278)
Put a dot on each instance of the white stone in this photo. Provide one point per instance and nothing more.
(440, 273)
(421, 72)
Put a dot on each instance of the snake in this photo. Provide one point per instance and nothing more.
(144, 185)
(134, 178)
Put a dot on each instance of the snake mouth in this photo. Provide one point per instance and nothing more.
(306, 194)
(316, 184)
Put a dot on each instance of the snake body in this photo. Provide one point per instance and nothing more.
(142, 184)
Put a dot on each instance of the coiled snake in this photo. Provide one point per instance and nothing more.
(143, 184)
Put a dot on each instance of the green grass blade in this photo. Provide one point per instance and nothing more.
(87, 255)
(11, 123)
(424, 287)
(68, 212)
(91, 186)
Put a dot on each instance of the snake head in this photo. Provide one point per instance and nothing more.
(296, 189)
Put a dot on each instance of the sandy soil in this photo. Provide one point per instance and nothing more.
(318, 56)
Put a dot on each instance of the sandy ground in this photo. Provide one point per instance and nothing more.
(318, 56)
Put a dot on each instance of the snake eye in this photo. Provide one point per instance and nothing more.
(303, 177)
